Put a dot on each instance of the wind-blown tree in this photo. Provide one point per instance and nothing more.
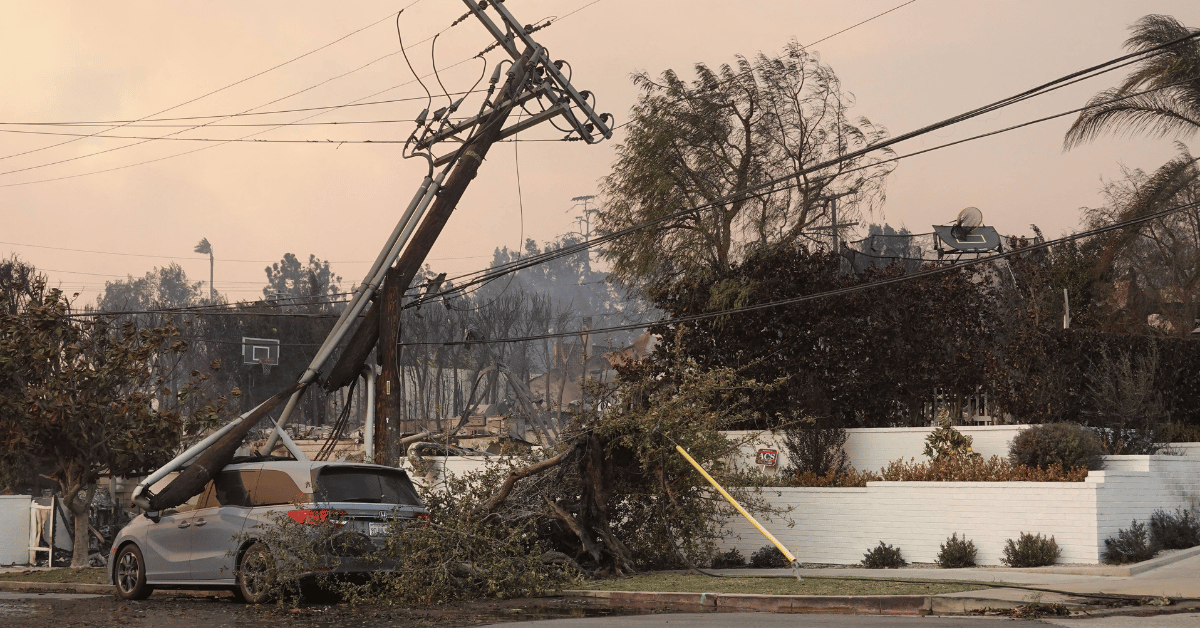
(1157, 262)
(1172, 109)
(1156, 259)
(309, 285)
(162, 288)
(80, 396)
(736, 137)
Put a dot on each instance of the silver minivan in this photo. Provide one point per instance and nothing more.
(215, 540)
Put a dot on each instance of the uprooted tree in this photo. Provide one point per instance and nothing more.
(86, 396)
(618, 497)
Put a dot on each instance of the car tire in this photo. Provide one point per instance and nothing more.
(130, 574)
(256, 574)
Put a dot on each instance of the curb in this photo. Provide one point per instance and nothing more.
(57, 587)
(856, 604)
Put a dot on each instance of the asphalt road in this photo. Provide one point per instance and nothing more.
(56, 610)
(767, 620)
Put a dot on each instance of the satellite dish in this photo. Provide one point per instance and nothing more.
(966, 222)
(967, 234)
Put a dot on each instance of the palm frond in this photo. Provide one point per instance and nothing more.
(1157, 114)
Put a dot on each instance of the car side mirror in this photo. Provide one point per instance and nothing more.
(153, 515)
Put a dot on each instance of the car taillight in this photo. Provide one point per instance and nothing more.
(313, 517)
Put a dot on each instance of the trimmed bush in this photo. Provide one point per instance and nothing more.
(1131, 545)
(1178, 530)
(1030, 551)
(947, 469)
(768, 557)
(1068, 444)
(956, 553)
(883, 557)
(976, 469)
(728, 560)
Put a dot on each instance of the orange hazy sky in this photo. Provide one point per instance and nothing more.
(89, 62)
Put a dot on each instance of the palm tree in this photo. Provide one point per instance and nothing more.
(1173, 108)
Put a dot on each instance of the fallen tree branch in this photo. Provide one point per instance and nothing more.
(518, 475)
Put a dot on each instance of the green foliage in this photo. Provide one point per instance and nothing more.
(768, 557)
(86, 396)
(883, 557)
(1030, 550)
(956, 553)
(843, 360)
(459, 553)
(815, 449)
(977, 469)
(1131, 545)
(730, 129)
(1178, 530)
(639, 493)
(850, 478)
(732, 559)
(1161, 112)
(947, 442)
(1068, 444)
(970, 469)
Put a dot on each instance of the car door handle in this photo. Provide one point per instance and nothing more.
(184, 524)
(200, 522)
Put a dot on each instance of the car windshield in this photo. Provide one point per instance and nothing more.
(368, 486)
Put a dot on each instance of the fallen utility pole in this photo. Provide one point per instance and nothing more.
(387, 407)
(532, 76)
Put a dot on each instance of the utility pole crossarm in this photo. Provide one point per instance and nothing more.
(551, 69)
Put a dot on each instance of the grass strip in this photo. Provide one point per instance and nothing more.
(668, 582)
(87, 575)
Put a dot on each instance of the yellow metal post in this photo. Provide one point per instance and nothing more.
(729, 498)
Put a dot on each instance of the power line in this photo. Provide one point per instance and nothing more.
(220, 143)
(178, 257)
(937, 270)
(234, 84)
(860, 23)
(487, 275)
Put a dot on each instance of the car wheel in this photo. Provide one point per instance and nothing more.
(130, 574)
(256, 574)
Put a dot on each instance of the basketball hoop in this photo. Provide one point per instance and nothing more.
(266, 365)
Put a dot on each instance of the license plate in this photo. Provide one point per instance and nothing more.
(377, 528)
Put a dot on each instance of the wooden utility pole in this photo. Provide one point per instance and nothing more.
(387, 326)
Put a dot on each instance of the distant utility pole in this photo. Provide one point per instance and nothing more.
(585, 220)
(205, 247)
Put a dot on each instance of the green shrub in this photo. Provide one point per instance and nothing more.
(768, 557)
(1030, 551)
(1179, 530)
(956, 553)
(976, 469)
(729, 560)
(1068, 444)
(1131, 545)
(816, 448)
(947, 442)
(883, 557)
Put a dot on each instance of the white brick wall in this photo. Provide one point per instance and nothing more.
(838, 525)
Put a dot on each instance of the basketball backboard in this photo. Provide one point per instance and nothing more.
(260, 351)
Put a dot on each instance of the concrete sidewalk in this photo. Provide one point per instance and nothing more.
(1175, 576)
